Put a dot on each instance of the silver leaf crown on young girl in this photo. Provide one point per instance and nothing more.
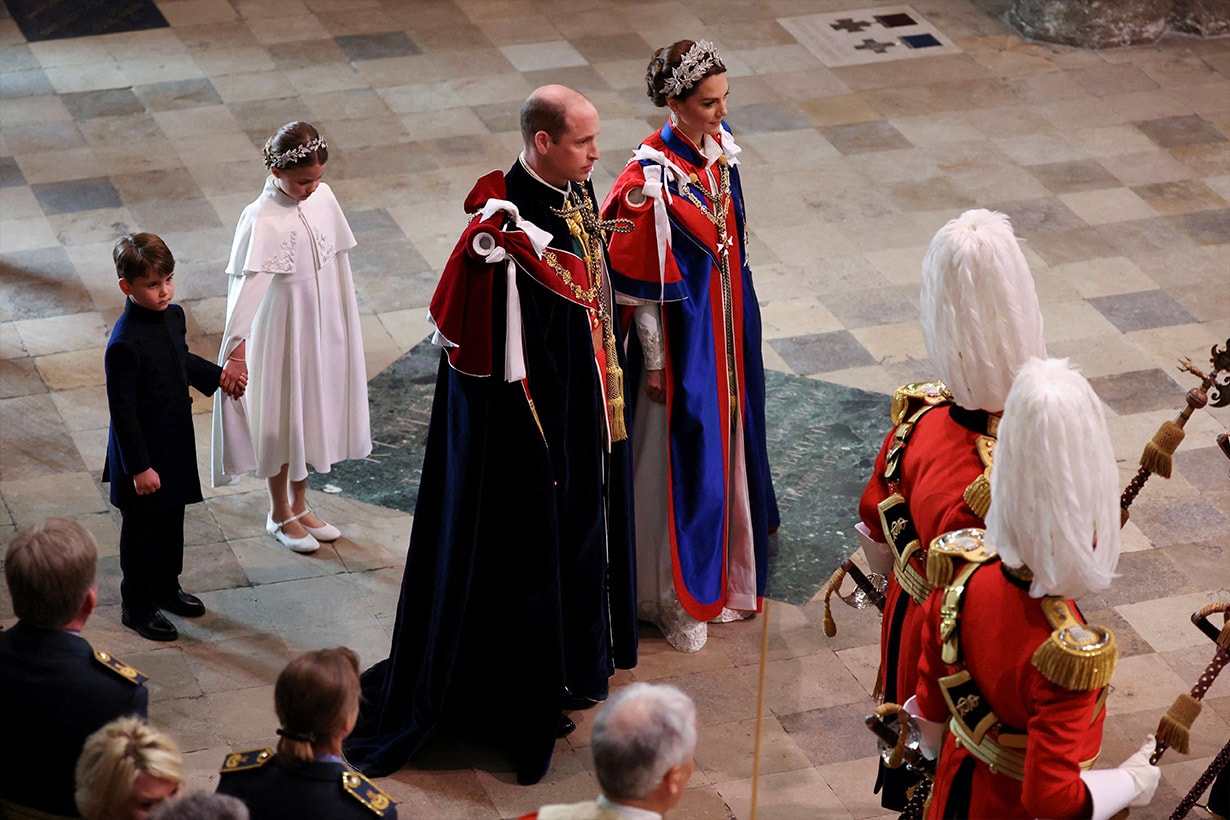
(696, 62)
(292, 155)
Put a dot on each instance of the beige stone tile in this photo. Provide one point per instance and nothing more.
(84, 408)
(27, 234)
(1165, 622)
(11, 346)
(873, 378)
(657, 659)
(106, 73)
(1104, 276)
(893, 344)
(1140, 685)
(448, 794)
(57, 334)
(1110, 205)
(1042, 147)
(794, 317)
(1073, 320)
(20, 203)
(73, 368)
(69, 494)
(568, 781)
(802, 794)
(851, 781)
(1113, 140)
(1149, 105)
(197, 12)
(801, 684)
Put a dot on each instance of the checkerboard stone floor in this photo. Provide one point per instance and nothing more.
(1114, 166)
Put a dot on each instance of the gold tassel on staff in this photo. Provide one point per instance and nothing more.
(1158, 455)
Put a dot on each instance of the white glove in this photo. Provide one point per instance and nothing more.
(879, 556)
(1131, 784)
(930, 732)
(1145, 775)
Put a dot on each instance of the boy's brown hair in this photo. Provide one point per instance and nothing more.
(50, 569)
(138, 255)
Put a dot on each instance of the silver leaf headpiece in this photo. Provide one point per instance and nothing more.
(696, 62)
(293, 155)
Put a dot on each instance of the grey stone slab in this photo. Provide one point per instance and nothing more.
(19, 377)
(111, 102)
(583, 78)
(145, 186)
(822, 352)
(1208, 227)
(760, 118)
(177, 94)
(1041, 215)
(374, 224)
(861, 137)
(498, 117)
(296, 54)
(378, 46)
(612, 47)
(1142, 237)
(1172, 132)
(10, 173)
(17, 57)
(26, 83)
(1138, 391)
(261, 118)
(41, 283)
(36, 442)
(830, 735)
(1141, 310)
(878, 306)
(390, 274)
(1078, 175)
(76, 195)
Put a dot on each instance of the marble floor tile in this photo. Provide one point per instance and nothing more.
(1140, 310)
(1175, 132)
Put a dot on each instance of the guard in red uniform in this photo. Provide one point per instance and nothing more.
(1008, 663)
(981, 321)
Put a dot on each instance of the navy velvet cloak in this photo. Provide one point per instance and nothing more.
(519, 579)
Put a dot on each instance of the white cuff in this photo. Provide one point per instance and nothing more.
(879, 556)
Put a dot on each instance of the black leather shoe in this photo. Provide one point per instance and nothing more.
(153, 627)
(565, 726)
(181, 603)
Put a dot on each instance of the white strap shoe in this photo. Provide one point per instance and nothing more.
(304, 545)
(326, 533)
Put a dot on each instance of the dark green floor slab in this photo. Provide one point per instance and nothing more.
(822, 439)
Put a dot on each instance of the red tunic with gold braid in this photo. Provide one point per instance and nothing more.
(940, 460)
(1000, 628)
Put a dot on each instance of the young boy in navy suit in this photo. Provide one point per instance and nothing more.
(151, 449)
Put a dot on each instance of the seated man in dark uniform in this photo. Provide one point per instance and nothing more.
(55, 689)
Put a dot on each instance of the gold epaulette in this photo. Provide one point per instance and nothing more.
(366, 792)
(908, 398)
(1079, 657)
(120, 668)
(978, 493)
(959, 545)
(242, 761)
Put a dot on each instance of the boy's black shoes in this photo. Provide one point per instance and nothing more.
(181, 603)
(154, 627)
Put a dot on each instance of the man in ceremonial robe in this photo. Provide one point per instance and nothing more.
(517, 601)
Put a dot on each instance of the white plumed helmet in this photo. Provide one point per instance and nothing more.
(980, 314)
(1055, 486)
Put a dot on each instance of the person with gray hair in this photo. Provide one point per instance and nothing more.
(202, 806)
(643, 741)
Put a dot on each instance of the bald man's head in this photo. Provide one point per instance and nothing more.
(559, 127)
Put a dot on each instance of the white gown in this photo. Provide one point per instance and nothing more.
(291, 297)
